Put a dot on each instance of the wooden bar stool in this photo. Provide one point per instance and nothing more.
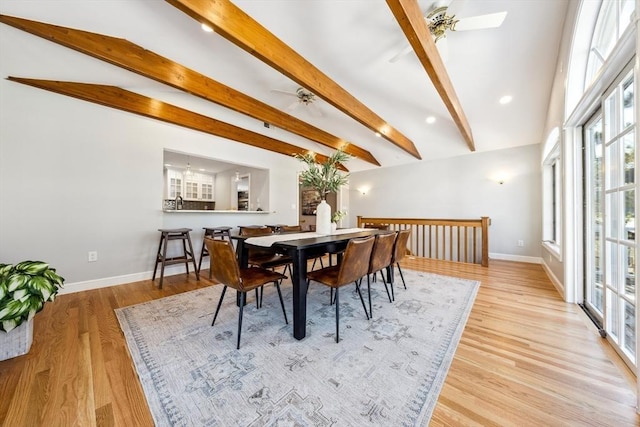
(213, 233)
(167, 234)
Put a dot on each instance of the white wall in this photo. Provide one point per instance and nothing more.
(463, 187)
(78, 177)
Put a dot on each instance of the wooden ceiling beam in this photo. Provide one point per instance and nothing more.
(236, 26)
(414, 26)
(121, 99)
(127, 55)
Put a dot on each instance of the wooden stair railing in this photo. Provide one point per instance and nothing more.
(458, 240)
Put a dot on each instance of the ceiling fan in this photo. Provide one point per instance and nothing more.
(440, 22)
(305, 99)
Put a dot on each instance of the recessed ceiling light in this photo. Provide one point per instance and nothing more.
(506, 99)
(206, 28)
(378, 134)
(430, 119)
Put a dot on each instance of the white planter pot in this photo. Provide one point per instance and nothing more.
(323, 218)
(16, 342)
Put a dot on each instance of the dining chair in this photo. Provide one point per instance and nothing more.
(381, 256)
(227, 272)
(255, 230)
(399, 252)
(298, 228)
(354, 266)
(265, 258)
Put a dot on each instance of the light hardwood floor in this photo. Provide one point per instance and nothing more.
(526, 358)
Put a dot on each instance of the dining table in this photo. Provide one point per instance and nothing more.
(301, 247)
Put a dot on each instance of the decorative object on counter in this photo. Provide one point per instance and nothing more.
(337, 216)
(24, 288)
(325, 178)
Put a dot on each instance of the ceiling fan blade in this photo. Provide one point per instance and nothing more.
(400, 54)
(284, 92)
(293, 106)
(491, 20)
(439, 3)
(314, 110)
(443, 49)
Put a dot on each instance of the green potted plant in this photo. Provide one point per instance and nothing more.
(325, 178)
(24, 288)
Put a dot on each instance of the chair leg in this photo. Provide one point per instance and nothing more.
(287, 267)
(155, 268)
(401, 275)
(393, 295)
(385, 285)
(281, 301)
(258, 297)
(219, 304)
(337, 316)
(361, 299)
(186, 258)
(369, 292)
(243, 298)
(164, 257)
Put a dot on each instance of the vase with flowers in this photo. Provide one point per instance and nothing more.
(335, 218)
(325, 178)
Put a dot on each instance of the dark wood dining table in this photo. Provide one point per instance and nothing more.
(301, 250)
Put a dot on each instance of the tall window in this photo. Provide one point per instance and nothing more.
(552, 194)
(613, 19)
(600, 100)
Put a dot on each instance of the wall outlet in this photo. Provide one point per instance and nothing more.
(520, 243)
(92, 256)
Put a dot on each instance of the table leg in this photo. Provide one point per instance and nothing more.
(390, 280)
(243, 261)
(299, 280)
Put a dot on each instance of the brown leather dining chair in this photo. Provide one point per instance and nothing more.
(298, 228)
(381, 256)
(291, 228)
(265, 258)
(354, 266)
(227, 272)
(399, 252)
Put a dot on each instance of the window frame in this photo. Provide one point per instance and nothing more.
(552, 185)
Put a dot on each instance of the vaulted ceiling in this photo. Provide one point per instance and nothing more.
(340, 49)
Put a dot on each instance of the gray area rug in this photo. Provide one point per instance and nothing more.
(385, 371)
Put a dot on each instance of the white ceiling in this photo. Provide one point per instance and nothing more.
(349, 40)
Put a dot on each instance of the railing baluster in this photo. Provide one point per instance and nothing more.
(436, 238)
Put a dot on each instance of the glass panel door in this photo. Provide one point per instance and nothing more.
(610, 206)
(594, 219)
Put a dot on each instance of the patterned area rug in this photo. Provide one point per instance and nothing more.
(385, 371)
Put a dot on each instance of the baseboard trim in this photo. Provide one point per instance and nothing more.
(519, 258)
(556, 283)
(106, 282)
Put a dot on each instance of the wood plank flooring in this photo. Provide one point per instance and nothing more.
(526, 358)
